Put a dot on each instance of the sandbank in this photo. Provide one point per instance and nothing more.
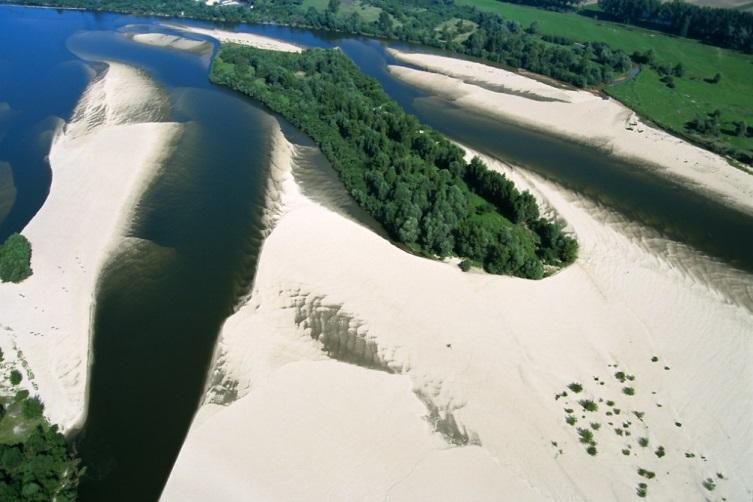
(252, 39)
(447, 370)
(101, 162)
(171, 41)
(578, 115)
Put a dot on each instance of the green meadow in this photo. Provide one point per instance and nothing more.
(671, 108)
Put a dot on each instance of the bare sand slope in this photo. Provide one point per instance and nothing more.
(171, 41)
(252, 39)
(470, 412)
(578, 115)
(101, 162)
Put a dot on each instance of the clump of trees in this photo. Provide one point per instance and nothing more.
(39, 468)
(723, 27)
(410, 178)
(36, 462)
(15, 259)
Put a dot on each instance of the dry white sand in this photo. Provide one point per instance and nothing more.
(251, 39)
(489, 353)
(171, 41)
(578, 115)
(101, 162)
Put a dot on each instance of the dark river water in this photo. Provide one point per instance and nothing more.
(162, 299)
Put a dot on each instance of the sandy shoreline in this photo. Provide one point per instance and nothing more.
(170, 41)
(251, 39)
(101, 161)
(578, 115)
(487, 354)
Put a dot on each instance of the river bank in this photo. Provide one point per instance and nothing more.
(101, 162)
(482, 357)
(577, 115)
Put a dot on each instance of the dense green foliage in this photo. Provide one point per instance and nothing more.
(722, 27)
(39, 468)
(437, 23)
(15, 259)
(411, 179)
(36, 463)
(549, 4)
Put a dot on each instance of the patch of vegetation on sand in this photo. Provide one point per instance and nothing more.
(36, 463)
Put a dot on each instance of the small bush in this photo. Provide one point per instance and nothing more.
(620, 375)
(586, 436)
(570, 420)
(591, 450)
(646, 473)
(15, 259)
(610, 403)
(709, 484)
(642, 490)
(575, 387)
(625, 452)
(654, 359)
(639, 414)
(629, 391)
(588, 405)
(15, 377)
(465, 265)
(32, 408)
(643, 442)
(660, 452)
(595, 426)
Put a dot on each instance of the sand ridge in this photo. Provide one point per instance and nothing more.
(478, 354)
(252, 39)
(101, 162)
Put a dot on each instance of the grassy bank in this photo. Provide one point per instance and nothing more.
(694, 94)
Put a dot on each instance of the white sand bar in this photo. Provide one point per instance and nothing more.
(252, 39)
(578, 115)
(171, 41)
(101, 162)
(491, 352)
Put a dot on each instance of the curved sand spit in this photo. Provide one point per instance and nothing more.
(578, 115)
(252, 39)
(101, 162)
(483, 356)
(171, 41)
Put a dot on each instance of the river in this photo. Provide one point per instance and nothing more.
(161, 304)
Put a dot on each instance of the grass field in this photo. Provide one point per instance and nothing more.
(670, 108)
(368, 13)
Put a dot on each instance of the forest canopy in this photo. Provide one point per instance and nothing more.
(410, 178)
(723, 27)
